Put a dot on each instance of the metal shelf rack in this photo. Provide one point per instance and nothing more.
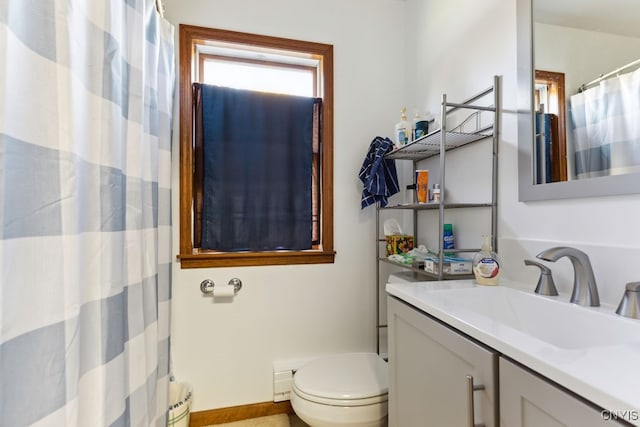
(438, 143)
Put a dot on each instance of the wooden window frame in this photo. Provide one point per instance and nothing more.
(193, 257)
(555, 83)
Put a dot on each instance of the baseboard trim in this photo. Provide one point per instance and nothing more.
(238, 413)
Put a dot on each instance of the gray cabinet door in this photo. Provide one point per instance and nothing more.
(527, 400)
(429, 365)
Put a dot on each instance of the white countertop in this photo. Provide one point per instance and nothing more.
(607, 373)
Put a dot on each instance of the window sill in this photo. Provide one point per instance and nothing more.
(205, 259)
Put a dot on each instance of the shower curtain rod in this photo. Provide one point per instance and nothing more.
(606, 76)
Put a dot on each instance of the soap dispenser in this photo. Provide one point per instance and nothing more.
(403, 130)
(486, 264)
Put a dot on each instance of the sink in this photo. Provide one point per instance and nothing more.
(549, 319)
(589, 350)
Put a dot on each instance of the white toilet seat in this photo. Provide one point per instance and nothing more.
(340, 402)
(351, 379)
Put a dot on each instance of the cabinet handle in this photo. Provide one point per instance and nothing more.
(470, 406)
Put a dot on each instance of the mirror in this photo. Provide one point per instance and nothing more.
(578, 40)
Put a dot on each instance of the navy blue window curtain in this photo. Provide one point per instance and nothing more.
(254, 159)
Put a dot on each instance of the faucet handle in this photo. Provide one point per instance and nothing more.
(630, 303)
(546, 285)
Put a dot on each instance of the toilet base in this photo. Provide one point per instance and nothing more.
(318, 415)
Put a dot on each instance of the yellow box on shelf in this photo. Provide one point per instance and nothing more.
(399, 244)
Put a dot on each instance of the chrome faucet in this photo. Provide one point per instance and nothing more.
(630, 303)
(585, 291)
(546, 285)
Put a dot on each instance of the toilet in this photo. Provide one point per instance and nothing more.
(343, 390)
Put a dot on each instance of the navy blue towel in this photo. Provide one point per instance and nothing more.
(378, 174)
(257, 150)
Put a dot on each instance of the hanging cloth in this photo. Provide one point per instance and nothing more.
(86, 99)
(378, 174)
(605, 128)
(257, 160)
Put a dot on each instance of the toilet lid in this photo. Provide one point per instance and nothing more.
(344, 376)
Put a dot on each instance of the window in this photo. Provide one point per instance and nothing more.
(269, 75)
(209, 56)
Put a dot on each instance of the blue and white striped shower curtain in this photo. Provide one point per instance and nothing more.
(86, 94)
(606, 129)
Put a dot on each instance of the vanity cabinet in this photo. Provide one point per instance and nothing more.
(433, 370)
(527, 400)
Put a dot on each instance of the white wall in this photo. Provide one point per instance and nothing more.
(456, 47)
(226, 351)
(463, 51)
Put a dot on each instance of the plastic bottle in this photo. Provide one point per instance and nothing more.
(403, 130)
(422, 185)
(436, 193)
(447, 239)
(420, 127)
(486, 264)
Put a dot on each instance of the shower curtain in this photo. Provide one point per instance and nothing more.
(606, 129)
(86, 93)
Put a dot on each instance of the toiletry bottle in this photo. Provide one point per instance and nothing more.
(422, 185)
(447, 239)
(486, 265)
(436, 193)
(420, 127)
(403, 129)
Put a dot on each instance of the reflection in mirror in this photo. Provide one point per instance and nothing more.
(550, 151)
(598, 55)
(579, 60)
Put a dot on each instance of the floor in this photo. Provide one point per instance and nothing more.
(274, 420)
(296, 422)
